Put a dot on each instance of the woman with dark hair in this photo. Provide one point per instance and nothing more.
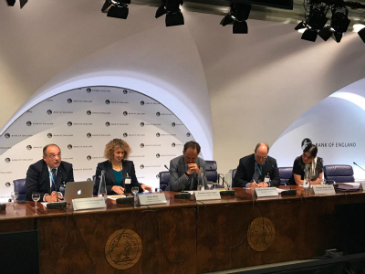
(120, 175)
(307, 162)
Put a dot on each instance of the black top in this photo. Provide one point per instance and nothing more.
(299, 167)
(128, 167)
(246, 170)
(37, 179)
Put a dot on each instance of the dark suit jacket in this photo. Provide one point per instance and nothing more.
(178, 180)
(128, 167)
(38, 178)
(246, 170)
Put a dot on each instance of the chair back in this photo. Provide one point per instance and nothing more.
(164, 179)
(211, 170)
(339, 173)
(285, 174)
(19, 186)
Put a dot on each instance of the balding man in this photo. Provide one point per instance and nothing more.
(47, 175)
(253, 169)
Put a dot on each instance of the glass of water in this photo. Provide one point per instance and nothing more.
(135, 190)
(209, 184)
(35, 197)
(14, 195)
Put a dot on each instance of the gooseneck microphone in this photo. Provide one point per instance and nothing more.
(228, 192)
(182, 194)
(358, 166)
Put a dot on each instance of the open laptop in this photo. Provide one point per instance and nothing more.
(75, 190)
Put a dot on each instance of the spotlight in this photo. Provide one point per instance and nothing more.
(171, 8)
(310, 35)
(325, 33)
(362, 34)
(116, 8)
(12, 3)
(339, 21)
(301, 25)
(237, 15)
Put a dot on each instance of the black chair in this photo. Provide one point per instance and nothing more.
(19, 186)
(339, 173)
(285, 174)
(211, 170)
(164, 179)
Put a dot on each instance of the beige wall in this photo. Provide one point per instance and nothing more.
(258, 83)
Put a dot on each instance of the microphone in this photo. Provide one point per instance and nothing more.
(359, 166)
(228, 192)
(290, 192)
(182, 194)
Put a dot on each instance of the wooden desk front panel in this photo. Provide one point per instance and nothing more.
(304, 228)
(76, 243)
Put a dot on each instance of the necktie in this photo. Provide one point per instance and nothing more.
(54, 175)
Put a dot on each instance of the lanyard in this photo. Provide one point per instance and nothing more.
(50, 174)
(258, 167)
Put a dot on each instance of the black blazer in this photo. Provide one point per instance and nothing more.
(128, 167)
(38, 178)
(246, 170)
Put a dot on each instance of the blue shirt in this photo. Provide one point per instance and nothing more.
(118, 177)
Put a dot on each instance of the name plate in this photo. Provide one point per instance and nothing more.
(362, 186)
(325, 189)
(152, 199)
(266, 192)
(207, 195)
(88, 203)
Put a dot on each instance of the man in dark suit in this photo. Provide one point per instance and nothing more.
(47, 175)
(185, 169)
(257, 170)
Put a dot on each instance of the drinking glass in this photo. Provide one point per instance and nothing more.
(14, 195)
(135, 190)
(35, 197)
(215, 185)
(209, 184)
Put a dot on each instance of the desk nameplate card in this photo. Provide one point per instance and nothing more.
(152, 199)
(207, 195)
(266, 192)
(88, 203)
(323, 190)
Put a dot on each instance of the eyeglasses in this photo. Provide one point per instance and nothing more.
(52, 156)
(261, 157)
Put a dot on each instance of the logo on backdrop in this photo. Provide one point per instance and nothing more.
(29, 147)
(107, 102)
(88, 135)
(125, 135)
(7, 160)
(49, 112)
(69, 146)
(142, 145)
(7, 184)
(141, 166)
(172, 124)
(336, 144)
(158, 155)
(88, 112)
(7, 135)
(69, 100)
(88, 157)
(107, 124)
(28, 123)
(142, 103)
(158, 134)
(69, 123)
(49, 135)
(125, 91)
(88, 90)
(125, 113)
(188, 134)
(142, 124)
(158, 113)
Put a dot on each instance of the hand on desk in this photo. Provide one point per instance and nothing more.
(257, 185)
(148, 188)
(53, 197)
(118, 189)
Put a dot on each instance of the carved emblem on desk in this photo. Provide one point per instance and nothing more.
(261, 234)
(123, 249)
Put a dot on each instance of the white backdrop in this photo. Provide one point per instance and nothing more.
(82, 122)
(336, 125)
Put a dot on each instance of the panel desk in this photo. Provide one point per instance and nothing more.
(182, 236)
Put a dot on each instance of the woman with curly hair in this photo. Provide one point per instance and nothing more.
(120, 175)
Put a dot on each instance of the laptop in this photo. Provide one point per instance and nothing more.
(75, 190)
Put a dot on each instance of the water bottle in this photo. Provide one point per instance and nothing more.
(201, 180)
(306, 178)
(102, 186)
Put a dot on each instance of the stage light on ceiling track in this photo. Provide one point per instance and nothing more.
(339, 22)
(116, 8)
(237, 16)
(12, 3)
(171, 8)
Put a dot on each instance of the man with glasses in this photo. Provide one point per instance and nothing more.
(257, 170)
(48, 175)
